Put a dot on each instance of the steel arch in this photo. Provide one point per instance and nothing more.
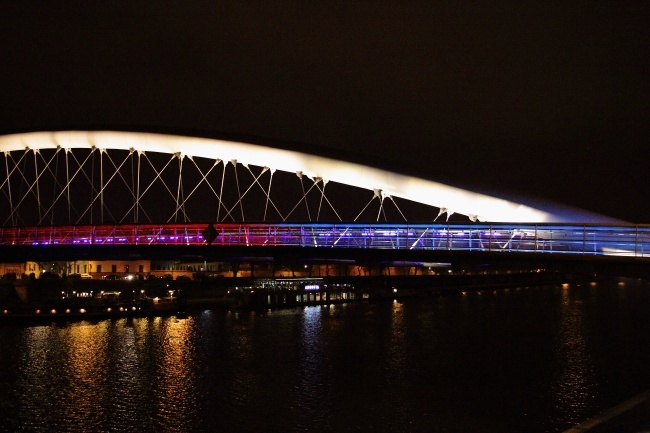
(320, 170)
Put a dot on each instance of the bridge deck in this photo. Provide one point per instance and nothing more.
(589, 239)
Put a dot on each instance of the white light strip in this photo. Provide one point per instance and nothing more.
(486, 208)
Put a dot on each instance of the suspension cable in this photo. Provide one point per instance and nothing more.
(365, 207)
(304, 197)
(204, 178)
(223, 179)
(156, 177)
(328, 202)
(398, 209)
(241, 205)
(38, 190)
(268, 196)
(241, 198)
(54, 184)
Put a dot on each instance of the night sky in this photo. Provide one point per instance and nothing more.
(548, 100)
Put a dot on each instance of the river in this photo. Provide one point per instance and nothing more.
(531, 359)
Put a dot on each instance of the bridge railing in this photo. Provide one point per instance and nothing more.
(620, 240)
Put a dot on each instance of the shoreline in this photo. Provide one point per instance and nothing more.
(255, 294)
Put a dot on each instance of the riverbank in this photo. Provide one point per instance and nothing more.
(78, 299)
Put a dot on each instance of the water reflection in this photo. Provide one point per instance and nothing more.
(529, 360)
(176, 400)
(575, 385)
(395, 369)
(34, 372)
(312, 385)
(62, 376)
(244, 383)
(397, 343)
(97, 376)
(86, 366)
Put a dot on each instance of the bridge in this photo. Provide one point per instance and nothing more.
(592, 239)
(109, 177)
(621, 250)
(73, 193)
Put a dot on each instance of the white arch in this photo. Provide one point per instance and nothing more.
(476, 205)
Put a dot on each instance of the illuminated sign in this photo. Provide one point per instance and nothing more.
(312, 287)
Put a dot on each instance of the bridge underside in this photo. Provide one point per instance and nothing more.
(470, 261)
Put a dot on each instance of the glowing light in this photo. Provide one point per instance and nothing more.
(479, 206)
(53, 311)
(312, 287)
(83, 310)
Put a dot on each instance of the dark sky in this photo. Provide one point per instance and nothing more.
(549, 99)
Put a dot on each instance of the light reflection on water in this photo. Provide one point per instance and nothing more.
(532, 360)
(576, 385)
(311, 386)
(176, 401)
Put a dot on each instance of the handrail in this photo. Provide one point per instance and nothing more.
(592, 239)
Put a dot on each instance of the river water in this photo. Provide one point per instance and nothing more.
(530, 359)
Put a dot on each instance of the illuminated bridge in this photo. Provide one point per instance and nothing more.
(107, 177)
(137, 190)
(598, 240)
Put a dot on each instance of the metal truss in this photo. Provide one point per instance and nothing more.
(62, 186)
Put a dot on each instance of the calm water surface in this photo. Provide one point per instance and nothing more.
(533, 360)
